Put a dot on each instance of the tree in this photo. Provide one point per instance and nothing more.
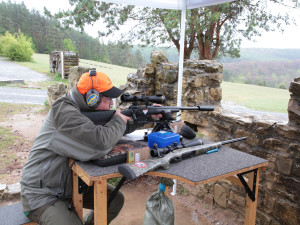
(68, 45)
(17, 47)
(213, 31)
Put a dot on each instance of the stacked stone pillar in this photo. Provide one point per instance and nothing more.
(294, 103)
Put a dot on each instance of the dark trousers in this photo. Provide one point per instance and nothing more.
(61, 212)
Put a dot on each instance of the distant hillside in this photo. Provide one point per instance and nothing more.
(264, 54)
(247, 54)
(259, 66)
(278, 74)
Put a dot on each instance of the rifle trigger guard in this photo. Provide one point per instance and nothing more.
(176, 159)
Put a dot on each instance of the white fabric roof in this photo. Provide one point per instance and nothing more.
(182, 5)
(169, 4)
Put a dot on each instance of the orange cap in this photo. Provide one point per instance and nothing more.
(101, 83)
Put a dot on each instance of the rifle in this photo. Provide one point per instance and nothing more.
(141, 110)
(133, 170)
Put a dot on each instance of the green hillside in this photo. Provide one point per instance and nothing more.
(256, 97)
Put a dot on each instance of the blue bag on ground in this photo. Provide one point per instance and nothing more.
(159, 208)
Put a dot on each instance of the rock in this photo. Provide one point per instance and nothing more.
(158, 57)
(295, 88)
(237, 199)
(2, 188)
(12, 191)
(284, 165)
(285, 213)
(55, 91)
(220, 195)
(75, 74)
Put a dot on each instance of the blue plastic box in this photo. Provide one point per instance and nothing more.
(163, 139)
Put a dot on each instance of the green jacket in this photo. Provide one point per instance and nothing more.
(65, 133)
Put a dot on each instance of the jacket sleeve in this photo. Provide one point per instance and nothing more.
(68, 120)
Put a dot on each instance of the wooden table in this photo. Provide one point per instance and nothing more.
(226, 163)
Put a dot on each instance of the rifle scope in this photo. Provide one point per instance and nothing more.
(143, 98)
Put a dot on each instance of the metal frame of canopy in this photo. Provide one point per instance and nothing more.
(182, 5)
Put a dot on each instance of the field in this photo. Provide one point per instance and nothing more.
(251, 96)
(256, 97)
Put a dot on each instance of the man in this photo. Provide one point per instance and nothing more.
(46, 184)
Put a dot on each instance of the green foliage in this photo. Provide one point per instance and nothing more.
(213, 31)
(182, 190)
(47, 36)
(114, 181)
(68, 45)
(17, 47)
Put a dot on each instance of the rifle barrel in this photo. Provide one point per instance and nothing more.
(199, 108)
(233, 140)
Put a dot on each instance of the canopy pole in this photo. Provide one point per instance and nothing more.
(181, 52)
(180, 70)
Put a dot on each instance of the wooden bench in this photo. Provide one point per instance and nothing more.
(13, 215)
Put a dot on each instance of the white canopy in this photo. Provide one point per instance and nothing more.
(182, 5)
(169, 4)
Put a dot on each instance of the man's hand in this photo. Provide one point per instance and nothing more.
(125, 118)
(157, 116)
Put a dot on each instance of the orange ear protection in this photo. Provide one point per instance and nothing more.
(92, 96)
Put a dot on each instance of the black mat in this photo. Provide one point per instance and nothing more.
(196, 169)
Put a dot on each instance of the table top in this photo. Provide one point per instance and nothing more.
(195, 169)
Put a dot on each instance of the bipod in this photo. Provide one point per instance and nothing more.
(113, 194)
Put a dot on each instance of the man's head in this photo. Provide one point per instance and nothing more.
(98, 90)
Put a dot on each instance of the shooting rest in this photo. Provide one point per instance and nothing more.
(227, 163)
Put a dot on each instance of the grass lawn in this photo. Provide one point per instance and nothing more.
(117, 74)
(251, 96)
(40, 63)
(256, 97)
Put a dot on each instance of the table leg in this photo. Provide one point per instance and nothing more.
(251, 206)
(100, 202)
(77, 198)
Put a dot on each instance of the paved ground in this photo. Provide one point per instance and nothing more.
(23, 95)
(10, 72)
(13, 71)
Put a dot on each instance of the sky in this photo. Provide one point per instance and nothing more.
(288, 39)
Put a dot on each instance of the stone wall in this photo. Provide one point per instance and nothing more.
(55, 91)
(279, 189)
(201, 81)
(294, 103)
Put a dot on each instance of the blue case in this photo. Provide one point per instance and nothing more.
(163, 139)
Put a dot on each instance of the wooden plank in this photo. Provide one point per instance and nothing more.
(77, 198)
(81, 173)
(250, 215)
(234, 179)
(161, 174)
(100, 202)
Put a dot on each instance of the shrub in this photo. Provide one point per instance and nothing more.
(17, 47)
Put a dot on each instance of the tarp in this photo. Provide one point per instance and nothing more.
(169, 4)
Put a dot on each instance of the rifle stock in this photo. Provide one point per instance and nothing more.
(133, 170)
